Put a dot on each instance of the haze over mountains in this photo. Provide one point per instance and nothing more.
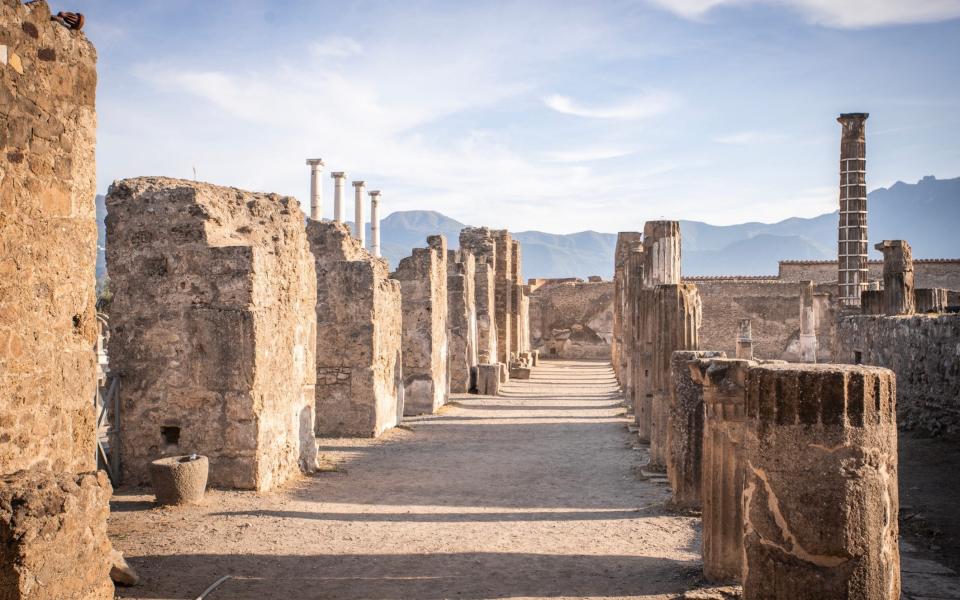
(927, 214)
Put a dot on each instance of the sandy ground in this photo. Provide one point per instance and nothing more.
(532, 494)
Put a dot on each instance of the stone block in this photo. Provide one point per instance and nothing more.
(213, 328)
(488, 379)
(520, 373)
(929, 300)
(53, 536)
(820, 500)
(685, 429)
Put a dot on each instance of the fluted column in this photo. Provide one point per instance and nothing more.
(375, 222)
(339, 178)
(316, 189)
(897, 277)
(358, 225)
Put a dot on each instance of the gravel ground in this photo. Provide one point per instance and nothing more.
(536, 493)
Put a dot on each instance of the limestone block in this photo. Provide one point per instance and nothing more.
(358, 358)
(685, 429)
(48, 243)
(213, 327)
(423, 290)
(488, 379)
(53, 536)
(820, 499)
(520, 373)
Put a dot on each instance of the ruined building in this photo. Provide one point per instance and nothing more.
(423, 290)
(359, 389)
(53, 506)
(213, 329)
(571, 319)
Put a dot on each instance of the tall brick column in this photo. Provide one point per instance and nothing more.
(898, 298)
(685, 429)
(852, 238)
(820, 497)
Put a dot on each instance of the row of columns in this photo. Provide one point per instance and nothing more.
(339, 179)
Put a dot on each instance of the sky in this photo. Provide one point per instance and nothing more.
(556, 116)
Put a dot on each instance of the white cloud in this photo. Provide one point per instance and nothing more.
(748, 137)
(848, 14)
(587, 154)
(641, 107)
(336, 46)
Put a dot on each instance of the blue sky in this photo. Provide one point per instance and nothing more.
(531, 115)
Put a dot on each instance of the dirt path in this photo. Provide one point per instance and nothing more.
(533, 494)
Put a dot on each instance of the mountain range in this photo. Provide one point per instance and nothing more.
(926, 213)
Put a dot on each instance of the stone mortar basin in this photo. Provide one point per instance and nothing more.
(179, 479)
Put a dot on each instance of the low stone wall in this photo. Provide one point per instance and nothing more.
(572, 320)
(53, 536)
(928, 272)
(923, 351)
(213, 329)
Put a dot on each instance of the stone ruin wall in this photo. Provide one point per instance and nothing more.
(572, 320)
(773, 308)
(928, 273)
(213, 329)
(53, 509)
(48, 242)
(358, 361)
(923, 351)
(423, 290)
(479, 242)
(461, 319)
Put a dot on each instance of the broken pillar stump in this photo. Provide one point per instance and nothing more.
(820, 496)
(53, 536)
(685, 429)
(488, 379)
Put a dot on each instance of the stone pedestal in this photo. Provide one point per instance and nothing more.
(53, 536)
(820, 499)
(488, 379)
(722, 473)
(685, 429)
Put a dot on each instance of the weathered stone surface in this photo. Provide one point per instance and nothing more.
(461, 319)
(48, 242)
(808, 323)
(745, 340)
(933, 300)
(685, 429)
(53, 536)
(572, 319)
(852, 269)
(358, 359)
(120, 571)
(627, 242)
(723, 467)
(661, 252)
(213, 329)
(479, 242)
(488, 379)
(503, 294)
(923, 352)
(676, 319)
(423, 287)
(871, 302)
(820, 499)
(897, 277)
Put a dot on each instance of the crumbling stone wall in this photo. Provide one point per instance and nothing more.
(773, 309)
(572, 320)
(479, 242)
(820, 500)
(928, 272)
(924, 352)
(48, 239)
(461, 319)
(213, 329)
(423, 290)
(358, 357)
(503, 294)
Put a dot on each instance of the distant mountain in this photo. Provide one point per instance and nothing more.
(926, 214)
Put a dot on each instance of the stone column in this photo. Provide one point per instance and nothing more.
(339, 178)
(676, 318)
(808, 324)
(480, 243)
(897, 277)
(871, 302)
(852, 239)
(358, 224)
(820, 499)
(745, 340)
(316, 189)
(661, 247)
(722, 469)
(504, 294)
(626, 241)
(632, 283)
(933, 300)
(685, 429)
(375, 223)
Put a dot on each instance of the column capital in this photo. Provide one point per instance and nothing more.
(359, 184)
(374, 193)
(338, 174)
(315, 162)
